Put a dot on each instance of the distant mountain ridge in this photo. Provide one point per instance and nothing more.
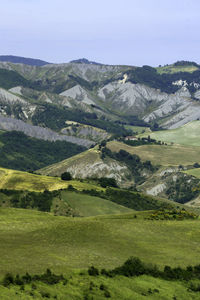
(23, 60)
(85, 61)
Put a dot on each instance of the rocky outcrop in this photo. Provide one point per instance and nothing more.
(79, 94)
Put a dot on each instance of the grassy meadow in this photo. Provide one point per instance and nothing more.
(186, 135)
(175, 69)
(194, 172)
(33, 241)
(87, 206)
(170, 155)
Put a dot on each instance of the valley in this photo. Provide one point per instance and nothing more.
(99, 163)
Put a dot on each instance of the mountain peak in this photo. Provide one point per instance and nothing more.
(84, 61)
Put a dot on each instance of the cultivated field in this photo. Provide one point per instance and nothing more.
(185, 135)
(171, 155)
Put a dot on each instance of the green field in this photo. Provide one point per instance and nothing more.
(33, 241)
(185, 135)
(170, 155)
(171, 69)
(194, 172)
(17, 180)
(87, 206)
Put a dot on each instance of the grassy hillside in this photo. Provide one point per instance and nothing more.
(160, 154)
(81, 287)
(17, 180)
(86, 205)
(33, 241)
(171, 69)
(194, 172)
(185, 135)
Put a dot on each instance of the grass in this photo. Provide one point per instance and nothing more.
(171, 69)
(138, 129)
(186, 135)
(86, 287)
(18, 180)
(87, 206)
(33, 241)
(170, 155)
(194, 172)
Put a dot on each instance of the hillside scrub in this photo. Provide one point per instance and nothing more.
(20, 152)
(29, 200)
(132, 161)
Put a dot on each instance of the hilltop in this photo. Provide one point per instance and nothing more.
(22, 60)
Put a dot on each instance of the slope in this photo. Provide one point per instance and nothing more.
(170, 155)
(20, 152)
(33, 241)
(185, 135)
(87, 206)
(88, 164)
(17, 180)
(22, 60)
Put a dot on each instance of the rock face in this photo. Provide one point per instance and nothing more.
(79, 94)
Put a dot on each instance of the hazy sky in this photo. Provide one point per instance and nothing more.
(134, 32)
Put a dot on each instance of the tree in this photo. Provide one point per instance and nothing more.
(66, 176)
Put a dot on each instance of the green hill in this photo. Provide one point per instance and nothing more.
(17, 180)
(33, 241)
(86, 205)
(170, 155)
(186, 135)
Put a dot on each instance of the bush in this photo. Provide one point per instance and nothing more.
(92, 271)
(66, 176)
(8, 279)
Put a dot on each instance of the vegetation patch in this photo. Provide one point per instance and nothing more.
(174, 214)
(20, 152)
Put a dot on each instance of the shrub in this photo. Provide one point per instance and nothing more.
(92, 271)
(66, 176)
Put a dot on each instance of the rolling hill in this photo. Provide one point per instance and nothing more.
(33, 241)
(22, 60)
(185, 135)
(89, 164)
(170, 155)
(17, 180)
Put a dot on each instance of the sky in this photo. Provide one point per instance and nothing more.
(130, 32)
